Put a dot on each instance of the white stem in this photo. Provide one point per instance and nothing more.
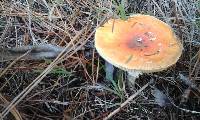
(109, 70)
(132, 76)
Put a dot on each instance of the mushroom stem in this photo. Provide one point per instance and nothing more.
(132, 76)
(109, 68)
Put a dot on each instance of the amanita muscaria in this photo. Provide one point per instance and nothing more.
(140, 44)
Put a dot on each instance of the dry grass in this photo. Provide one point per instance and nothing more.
(73, 85)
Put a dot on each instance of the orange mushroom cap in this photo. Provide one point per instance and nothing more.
(141, 43)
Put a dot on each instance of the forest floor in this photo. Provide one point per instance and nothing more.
(74, 85)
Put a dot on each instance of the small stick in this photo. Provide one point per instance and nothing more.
(38, 52)
(126, 102)
(14, 111)
(11, 64)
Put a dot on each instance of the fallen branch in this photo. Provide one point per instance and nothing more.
(37, 52)
(13, 62)
(126, 102)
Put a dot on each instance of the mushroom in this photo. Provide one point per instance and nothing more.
(140, 44)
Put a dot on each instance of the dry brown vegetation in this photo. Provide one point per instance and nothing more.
(73, 85)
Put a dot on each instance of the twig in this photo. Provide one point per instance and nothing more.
(162, 13)
(5, 30)
(126, 102)
(11, 64)
(29, 23)
(38, 52)
(14, 111)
